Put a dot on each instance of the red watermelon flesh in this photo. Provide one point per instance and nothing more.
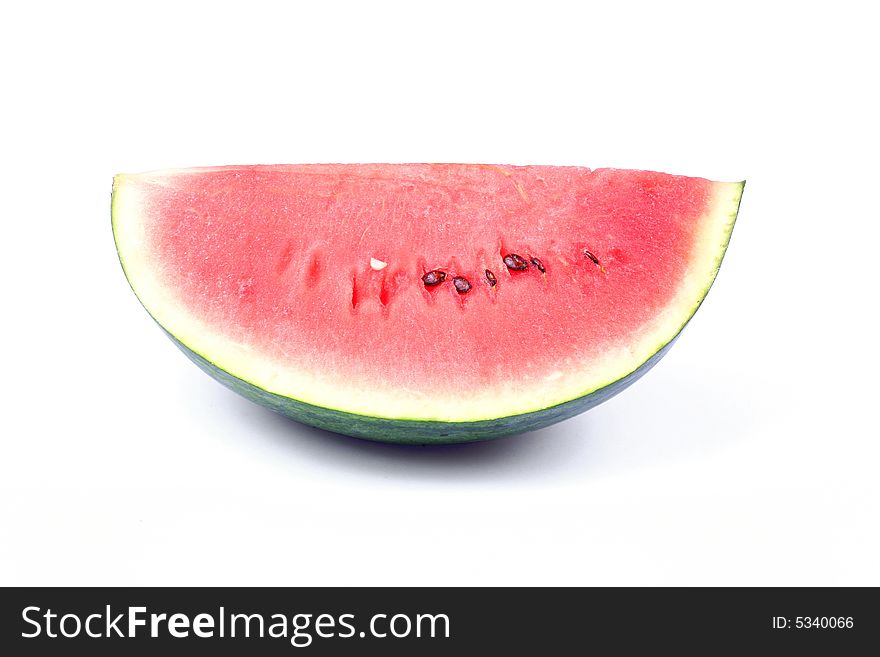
(309, 280)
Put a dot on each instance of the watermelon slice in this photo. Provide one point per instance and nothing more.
(422, 303)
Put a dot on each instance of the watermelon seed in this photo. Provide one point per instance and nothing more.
(491, 278)
(462, 285)
(434, 277)
(539, 265)
(592, 257)
(515, 262)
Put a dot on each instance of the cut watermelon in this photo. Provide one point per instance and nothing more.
(422, 303)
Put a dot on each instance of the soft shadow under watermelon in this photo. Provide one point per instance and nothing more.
(677, 419)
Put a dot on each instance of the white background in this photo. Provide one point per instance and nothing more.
(750, 455)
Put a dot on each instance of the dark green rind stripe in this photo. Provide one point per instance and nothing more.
(416, 432)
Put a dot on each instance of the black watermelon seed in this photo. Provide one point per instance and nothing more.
(462, 285)
(591, 257)
(515, 262)
(434, 277)
(539, 265)
(491, 278)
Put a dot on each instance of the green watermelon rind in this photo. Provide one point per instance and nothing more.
(423, 432)
(416, 432)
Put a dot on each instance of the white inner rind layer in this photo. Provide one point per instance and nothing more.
(383, 398)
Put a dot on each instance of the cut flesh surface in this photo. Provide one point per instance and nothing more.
(313, 282)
